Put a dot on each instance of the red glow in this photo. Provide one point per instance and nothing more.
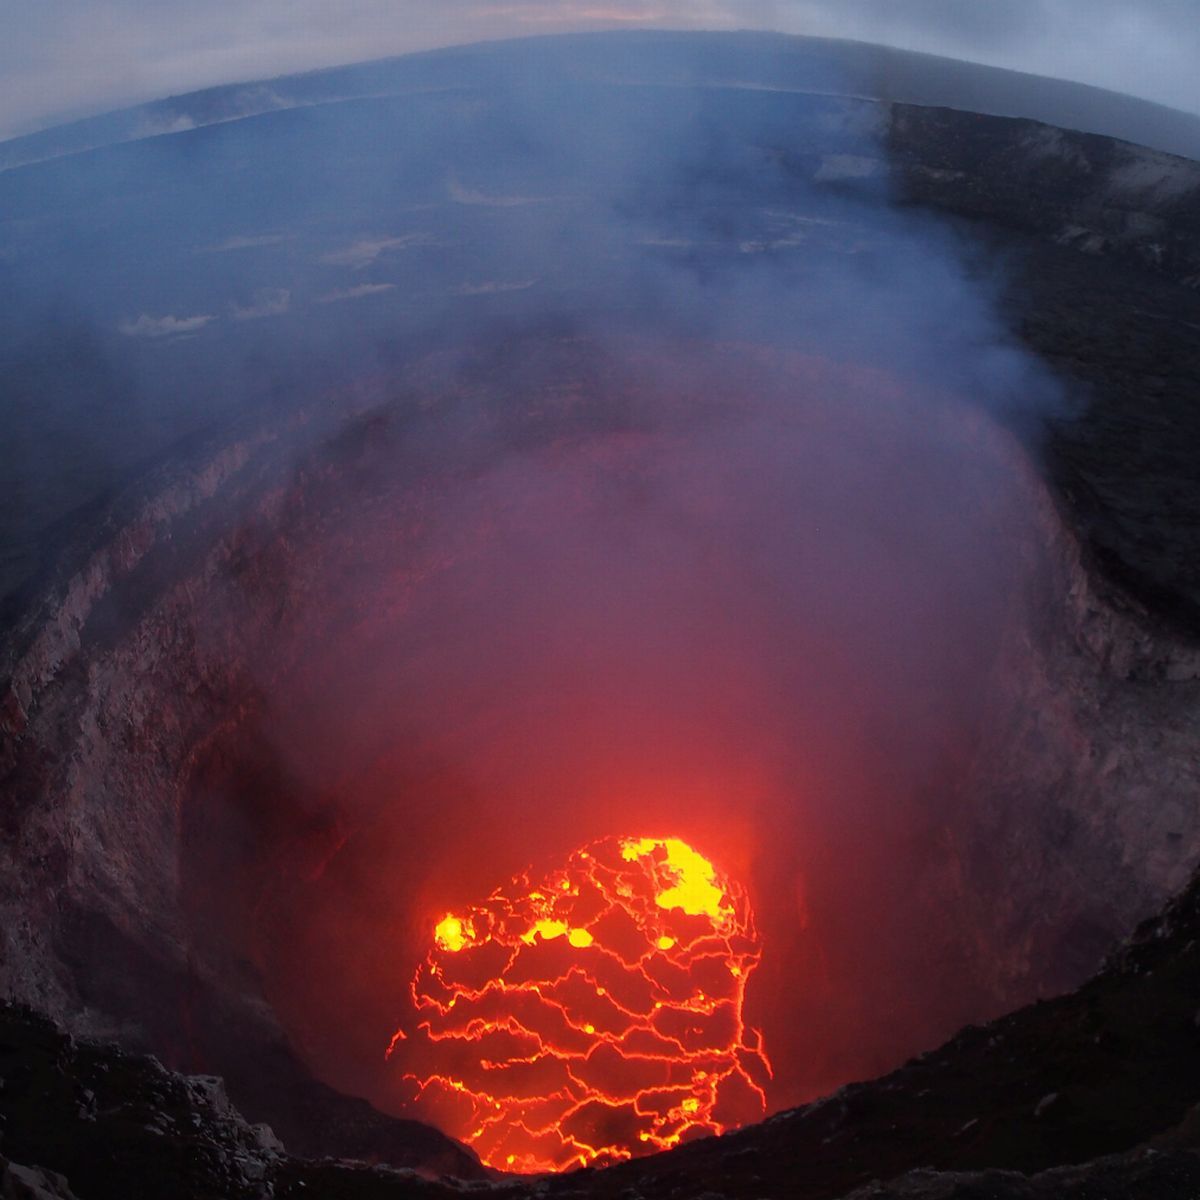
(592, 1017)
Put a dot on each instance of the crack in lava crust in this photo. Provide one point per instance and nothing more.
(592, 1018)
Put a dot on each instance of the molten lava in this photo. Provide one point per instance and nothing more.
(591, 1018)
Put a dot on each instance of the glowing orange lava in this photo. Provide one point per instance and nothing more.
(592, 1018)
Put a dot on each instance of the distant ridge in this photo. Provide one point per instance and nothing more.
(749, 59)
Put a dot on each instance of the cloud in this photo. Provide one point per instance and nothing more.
(1146, 49)
(969, 23)
(367, 250)
(269, 302)
(171, 124)
(355, 293)
(473, 196)
(622, 12)
(147, 326)
(243, 242)
(491, 287)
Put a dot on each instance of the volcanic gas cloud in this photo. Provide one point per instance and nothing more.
(592, 1016)
(725, 599)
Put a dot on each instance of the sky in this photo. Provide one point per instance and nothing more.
(64, 58)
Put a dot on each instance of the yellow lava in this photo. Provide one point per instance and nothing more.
(507, 989)
(450, 934)
(547, 928)
(694, 890)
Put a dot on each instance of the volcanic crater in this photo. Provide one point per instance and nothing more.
(281, 714)
(262, 729)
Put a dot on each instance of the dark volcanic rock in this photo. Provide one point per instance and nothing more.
(31, 1183)
(100, 1122)
(1124, 460)
(1095, 195)
(90, 1109)
(1102, 244)
(117, 1124)
(1144, 1175)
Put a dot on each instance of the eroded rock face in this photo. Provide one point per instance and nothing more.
(1088, 739)
(116, 682)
